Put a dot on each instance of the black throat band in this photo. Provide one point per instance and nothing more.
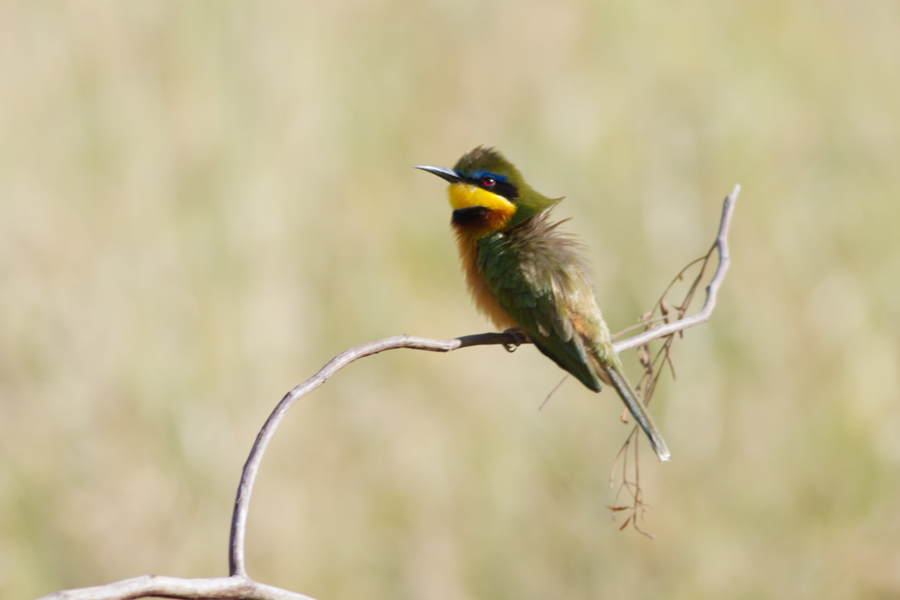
(470, 215)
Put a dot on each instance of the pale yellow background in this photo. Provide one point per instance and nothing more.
(202, 202)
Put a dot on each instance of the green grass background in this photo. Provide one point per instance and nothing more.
(203, 202)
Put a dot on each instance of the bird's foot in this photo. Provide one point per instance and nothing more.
(519, 337)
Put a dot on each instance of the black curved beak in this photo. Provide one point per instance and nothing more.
(447, 174)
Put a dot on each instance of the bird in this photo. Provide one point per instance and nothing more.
(525, 274)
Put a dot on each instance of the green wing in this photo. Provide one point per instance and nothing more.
(537, 278)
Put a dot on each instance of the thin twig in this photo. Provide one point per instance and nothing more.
(653, 368)
(156, 586)
(237, 565)
(553, 391)
(712, 290)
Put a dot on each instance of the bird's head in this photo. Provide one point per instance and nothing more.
(487, 192)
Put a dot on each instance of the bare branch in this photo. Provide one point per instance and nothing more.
(241, 505)
(239, 586)
(712, 290)
(145, 586)
(237, 565)
(653, 368)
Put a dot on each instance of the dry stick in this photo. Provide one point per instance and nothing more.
(649, 378)
(712, 290)
(239, 586)
(156, 586)
(236, 563)
(241, 504)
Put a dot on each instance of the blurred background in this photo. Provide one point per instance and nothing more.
(201, 203)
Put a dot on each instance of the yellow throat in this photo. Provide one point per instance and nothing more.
(465, 195)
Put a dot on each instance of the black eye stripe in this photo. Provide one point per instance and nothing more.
(496, 184)
(503, 188)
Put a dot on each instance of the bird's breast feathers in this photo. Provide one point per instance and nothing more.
(485, 301)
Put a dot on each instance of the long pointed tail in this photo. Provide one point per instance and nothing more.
(630, 397)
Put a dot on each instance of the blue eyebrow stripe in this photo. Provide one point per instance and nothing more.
(482, 173)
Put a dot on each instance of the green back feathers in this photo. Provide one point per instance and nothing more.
(535, 273)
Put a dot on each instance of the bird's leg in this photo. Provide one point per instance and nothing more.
(519, 338)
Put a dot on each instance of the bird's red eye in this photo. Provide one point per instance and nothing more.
(488, 182)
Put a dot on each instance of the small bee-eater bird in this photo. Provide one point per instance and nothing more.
(525, 274)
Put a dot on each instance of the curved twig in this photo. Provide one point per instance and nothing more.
(236, 563)
(712, 290)
(241, 505)
(239, 586)
(156, 586)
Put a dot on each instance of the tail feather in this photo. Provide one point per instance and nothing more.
(637, 409)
